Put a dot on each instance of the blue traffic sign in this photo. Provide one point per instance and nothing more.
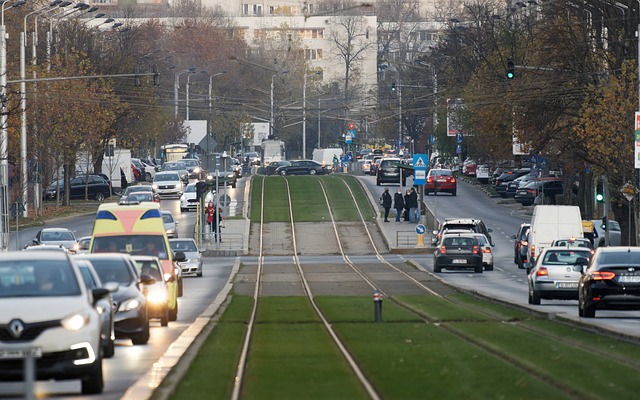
(420, 229)
(420, 165)
(459, 137)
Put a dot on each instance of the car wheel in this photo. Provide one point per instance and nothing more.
(453, 193)
(283, 173)
(99, 197)
(180, 291)
(142, 337)
(199, 274)
(164, 320)
(94, 383)
(313, 172)
(173, 314)
(109, 350)
(479, 269)
(588, 311)
(377, 182)
(488, 267)
(148, 177)
(437, 268)
(533, 297)
(183, 209)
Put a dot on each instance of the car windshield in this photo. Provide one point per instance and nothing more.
(55, 236)
(183, 245)
(37, 278)
(132, 244)
(166, 177)
(167, 218)
(149, 267)
(174, 166)
(619, 257)
(190, 163)
(440, 172)
(559, 257)
(137, 188)
(112, 270)
(191, 188)
(458, 241)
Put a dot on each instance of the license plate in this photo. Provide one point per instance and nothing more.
(35, 352)
(629, 279)
(567, 285)
(456, 261)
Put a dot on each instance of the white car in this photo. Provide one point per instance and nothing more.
(168, 184)
(189, 199)
(487, 253)
(147, 170)
(46, 311)
(170, 224)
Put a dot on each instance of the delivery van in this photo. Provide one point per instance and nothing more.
(325, 156)
(550, 222)
(138, 229)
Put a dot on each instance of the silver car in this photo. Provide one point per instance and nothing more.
(168, 184)
(487, 252)
(56, 236)
(170, 224)
(193, 257)
(556, 273)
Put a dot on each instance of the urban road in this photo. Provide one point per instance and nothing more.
(506, 283)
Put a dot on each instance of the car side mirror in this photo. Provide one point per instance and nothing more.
(35, 241)
(514, 237)
(580, 268)
(489, 230)
(99, 293)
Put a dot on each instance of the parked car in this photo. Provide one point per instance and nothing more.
(170, 224)
(521, 245)
(302, 167)
(130, 304)
(146, 171)
(155, 289)
(168, 184)
(179, 167)
(556, 273)
(391, 171)
(96, 188)
(273, 165)
(193, 256)
(476, 225)
(548, 188)
(189, 199)
(47, 311)
(469, 168)
(104, 306)
(56, 236)
(482, 173)
(615, 233)
(503, 180)
(441, 180)
(458, 251)
(514, 185)
(611, 282)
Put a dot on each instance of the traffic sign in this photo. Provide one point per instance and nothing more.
(459, 137)
(420, 229)
(347, 138)
(420, 165)
(628, 191)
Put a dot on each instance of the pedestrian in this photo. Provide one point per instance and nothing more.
(407, 205)
(210, 214)
(413, 210)
(386, 203)
(398, 204)
(214, 219)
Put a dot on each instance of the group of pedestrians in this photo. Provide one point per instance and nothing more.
(406, 205)
(214, 219)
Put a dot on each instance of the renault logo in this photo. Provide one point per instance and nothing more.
(16, 327)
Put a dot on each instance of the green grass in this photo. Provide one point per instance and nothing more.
(341, 202)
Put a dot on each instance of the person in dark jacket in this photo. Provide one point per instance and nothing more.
(413, 207)
(398, 204)
(407, 205)
(386, 203)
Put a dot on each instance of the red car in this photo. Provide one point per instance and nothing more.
(441, 180)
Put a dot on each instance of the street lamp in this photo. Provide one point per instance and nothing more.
(176, 86)
(187, 98)
(271, 118)
(304, 113)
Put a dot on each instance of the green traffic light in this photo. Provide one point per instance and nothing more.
(510, 75)
(599, 197)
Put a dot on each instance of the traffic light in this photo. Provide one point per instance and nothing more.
(599, 196)
(393, 86)
(511, 67)
(604, 223)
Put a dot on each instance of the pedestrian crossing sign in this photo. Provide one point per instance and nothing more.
(419, 169)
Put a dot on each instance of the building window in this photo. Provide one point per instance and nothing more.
(313, 54)
(428, 35)
(252, 9)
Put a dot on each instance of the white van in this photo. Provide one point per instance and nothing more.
(325, 156)
(550, 222)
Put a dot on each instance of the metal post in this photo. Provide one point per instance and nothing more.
(23, 126)
(4, 139)
(304, 118)
(271, 114)
(377, 306)
(399, 113)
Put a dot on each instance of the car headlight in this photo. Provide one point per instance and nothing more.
(171, 231)
(157, 296)
(196, 170)
(154, 186)
(129, 305)
(75, 322)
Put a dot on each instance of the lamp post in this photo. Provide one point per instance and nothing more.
(271, 117)
(304, 114)
(176, 86)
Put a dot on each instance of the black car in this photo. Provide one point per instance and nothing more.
(514, 185)
(302, 167)
(503, 180)
(520, 245)
(194, 168)
(548, 187)
(130, 304)
(271, 168)
(390, 171)
(96, 188)
(458, 251)
(612, 281)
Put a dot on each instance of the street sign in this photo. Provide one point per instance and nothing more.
(420, 229)
(628, 191)
(420, 165)
(347, 138)
(459, 137)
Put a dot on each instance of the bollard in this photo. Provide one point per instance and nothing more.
(377, 305)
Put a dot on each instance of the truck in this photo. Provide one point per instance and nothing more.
(550, 222)
(116, 165)
(272, 150)
(325, 156)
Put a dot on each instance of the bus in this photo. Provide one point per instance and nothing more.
(174, 152)
(272, 150)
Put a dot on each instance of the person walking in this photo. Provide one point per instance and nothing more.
(386, 203)
(398, 204)
(413, 211)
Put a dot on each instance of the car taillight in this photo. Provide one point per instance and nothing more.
(475, 250)
(452, 180)
(430, 179)
(602, 275)
(542, 272)
(486, 250)
(443, 250)
(533, 250)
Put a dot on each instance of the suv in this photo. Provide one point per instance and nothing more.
(96, 188)
(46, 311)
(130, 304)
(501, 182)
(520, 245)
(475, 225)
(390, 171)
